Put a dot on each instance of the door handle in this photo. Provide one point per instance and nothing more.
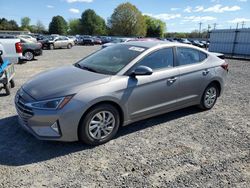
(205, 72)
(171, 80)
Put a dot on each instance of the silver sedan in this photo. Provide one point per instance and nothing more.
(116, 86)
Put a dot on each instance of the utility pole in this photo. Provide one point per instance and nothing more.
(243, 24)
(200, 29)
(215, 24)
(237, 26)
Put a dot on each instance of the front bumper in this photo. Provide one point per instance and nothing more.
(41, 123)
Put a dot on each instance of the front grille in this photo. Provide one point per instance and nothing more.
(24, 112)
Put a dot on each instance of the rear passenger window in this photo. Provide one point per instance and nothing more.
(160, 59)
(188, 56)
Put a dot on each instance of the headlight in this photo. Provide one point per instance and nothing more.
(52, 104)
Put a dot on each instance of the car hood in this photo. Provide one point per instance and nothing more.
(62, 82)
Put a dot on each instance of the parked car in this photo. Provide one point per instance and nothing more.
(13, 48)
(53, 42)
(116, 41)
(31, 49)
(87, 41)
(116, 86)
(73, 39)
(105, 39)
(184, 41)
(197, 43)
(97, 40)
(206, 43)
(27, 37)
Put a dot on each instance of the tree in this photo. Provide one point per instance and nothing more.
(58, 25)
(74, 26)
(25, 23)
(8, 25)
(155, 27)
(127, 20)
(92, 24)
(40, 27)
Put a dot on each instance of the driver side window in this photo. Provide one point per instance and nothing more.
(160, 59)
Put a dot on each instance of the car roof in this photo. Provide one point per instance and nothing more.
(151, 44)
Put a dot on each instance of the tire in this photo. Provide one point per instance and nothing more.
(29, 55)
(209, 97)
(51, 47)
(92, 128)
(7, 88)
(12, 83)
(69, 46)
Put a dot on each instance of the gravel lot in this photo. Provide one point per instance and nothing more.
(186, 148)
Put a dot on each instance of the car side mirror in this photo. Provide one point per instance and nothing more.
(1, 52)
(142, 71)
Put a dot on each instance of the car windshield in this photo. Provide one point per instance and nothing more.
(110, 60)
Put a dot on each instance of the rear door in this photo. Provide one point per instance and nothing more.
(195, 74)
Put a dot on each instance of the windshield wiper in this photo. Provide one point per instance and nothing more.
(88, 68)
(85, 68)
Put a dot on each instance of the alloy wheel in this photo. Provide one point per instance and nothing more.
(101, 125)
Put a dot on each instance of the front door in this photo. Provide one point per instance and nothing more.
(153, 94)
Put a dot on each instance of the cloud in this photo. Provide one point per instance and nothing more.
(164, 16)
(216, 9)
(79, 1)
(188, 9)
(50, 6)
(74, 10)
(239, 20)
(174, 9)
(220, 9)
(199, 18)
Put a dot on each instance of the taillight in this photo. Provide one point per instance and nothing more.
(18, 47)
(225, 66)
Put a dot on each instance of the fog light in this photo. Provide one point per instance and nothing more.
(55, 127)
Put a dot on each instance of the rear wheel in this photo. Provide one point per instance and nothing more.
(209, 97)
(99, 125)
(29, 55)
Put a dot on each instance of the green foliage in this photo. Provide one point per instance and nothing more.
(25, 23)
(74, 26)
(92, 24)
(155, 27)
(38, 28)
(127, 20)
(8, 25)
(58, 25)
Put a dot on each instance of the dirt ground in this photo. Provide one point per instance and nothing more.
(185, 148)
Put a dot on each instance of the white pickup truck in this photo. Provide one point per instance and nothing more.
(12, 49)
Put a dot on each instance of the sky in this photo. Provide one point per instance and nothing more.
(179, 15)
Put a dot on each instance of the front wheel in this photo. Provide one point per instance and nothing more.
(99, 125)
(69, 46)
(209, 97)
(7, 88)
(12, 83)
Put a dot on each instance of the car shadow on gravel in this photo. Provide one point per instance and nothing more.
(17, 147)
